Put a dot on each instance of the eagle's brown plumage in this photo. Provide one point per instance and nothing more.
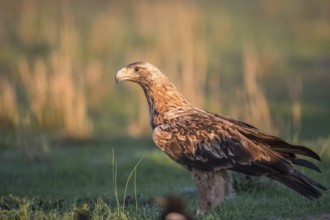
(208, 144)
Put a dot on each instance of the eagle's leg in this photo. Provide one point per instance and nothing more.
(212, 188)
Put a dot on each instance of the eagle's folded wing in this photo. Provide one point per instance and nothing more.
(204, 141)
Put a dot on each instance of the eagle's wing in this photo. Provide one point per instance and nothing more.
(202, 140)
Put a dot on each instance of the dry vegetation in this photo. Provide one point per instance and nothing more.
(59, 58)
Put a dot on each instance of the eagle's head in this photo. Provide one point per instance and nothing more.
(140, 72)
(161, 94)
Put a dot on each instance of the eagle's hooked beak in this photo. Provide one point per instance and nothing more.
(121, 75)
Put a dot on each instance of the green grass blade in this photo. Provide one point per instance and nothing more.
(127, 181)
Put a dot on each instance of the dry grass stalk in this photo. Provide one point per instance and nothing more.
(96, 88)
(34, 144)
(255, 107)
(295, 90)
(55, 95)
(9, 111)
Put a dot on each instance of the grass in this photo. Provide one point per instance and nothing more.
(78, 181)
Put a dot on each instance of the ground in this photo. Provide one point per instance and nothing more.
(78, 180)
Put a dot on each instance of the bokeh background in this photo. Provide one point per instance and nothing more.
(71, 139)
(264, 62)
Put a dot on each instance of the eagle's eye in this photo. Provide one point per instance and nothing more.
(137, 69)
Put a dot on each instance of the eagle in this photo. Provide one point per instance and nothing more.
(209, 144)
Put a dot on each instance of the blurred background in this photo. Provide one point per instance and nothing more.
(263, 62)
(70, 137)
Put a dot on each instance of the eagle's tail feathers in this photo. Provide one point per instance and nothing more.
(279, 145)
(306, 163)
(300, 183)
(295, 149)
